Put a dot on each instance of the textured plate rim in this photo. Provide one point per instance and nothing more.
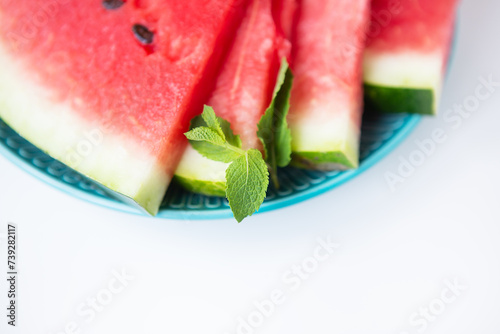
(411, 122)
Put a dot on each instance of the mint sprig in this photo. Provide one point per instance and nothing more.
(273, 130)
(213, 138)
(247, 177)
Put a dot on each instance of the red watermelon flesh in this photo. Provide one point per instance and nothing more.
(423, 25)
(78, 72)
(244, 87)
(326, 101)
(285, 15)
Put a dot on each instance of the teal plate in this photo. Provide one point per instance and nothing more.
(380, 135)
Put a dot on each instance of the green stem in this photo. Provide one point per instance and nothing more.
(234, 149)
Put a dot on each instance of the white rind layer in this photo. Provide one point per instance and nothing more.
(113, 160)
(194, 166)
(323, 131)
(404, 70)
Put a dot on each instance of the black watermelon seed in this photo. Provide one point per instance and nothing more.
(112, 4)
(143, 34)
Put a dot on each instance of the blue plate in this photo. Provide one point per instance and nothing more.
(380, 135)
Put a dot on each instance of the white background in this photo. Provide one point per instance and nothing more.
(397, 248)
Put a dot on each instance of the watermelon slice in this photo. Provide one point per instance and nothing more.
(326, 102)
(243, 92)
(108, 87)
(407, 51)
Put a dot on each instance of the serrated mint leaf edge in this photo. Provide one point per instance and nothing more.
(203, 133)
(212, 121)
(283, 137)
(253, 160)
(277, 152)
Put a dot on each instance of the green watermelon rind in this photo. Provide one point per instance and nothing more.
(337, 160)
(199, 174)
(400, 99)
(403, 81)
(208, 188)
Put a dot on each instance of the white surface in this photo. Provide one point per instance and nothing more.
(396, 250)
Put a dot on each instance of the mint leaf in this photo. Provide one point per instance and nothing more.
(223, 125)
(216, 153)
(247, 180)
(205, 134)
(247, 177)
(282, 73)
(283, 137)
(211, 120)
(211, 145)
(231, 138)
(273, 130)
